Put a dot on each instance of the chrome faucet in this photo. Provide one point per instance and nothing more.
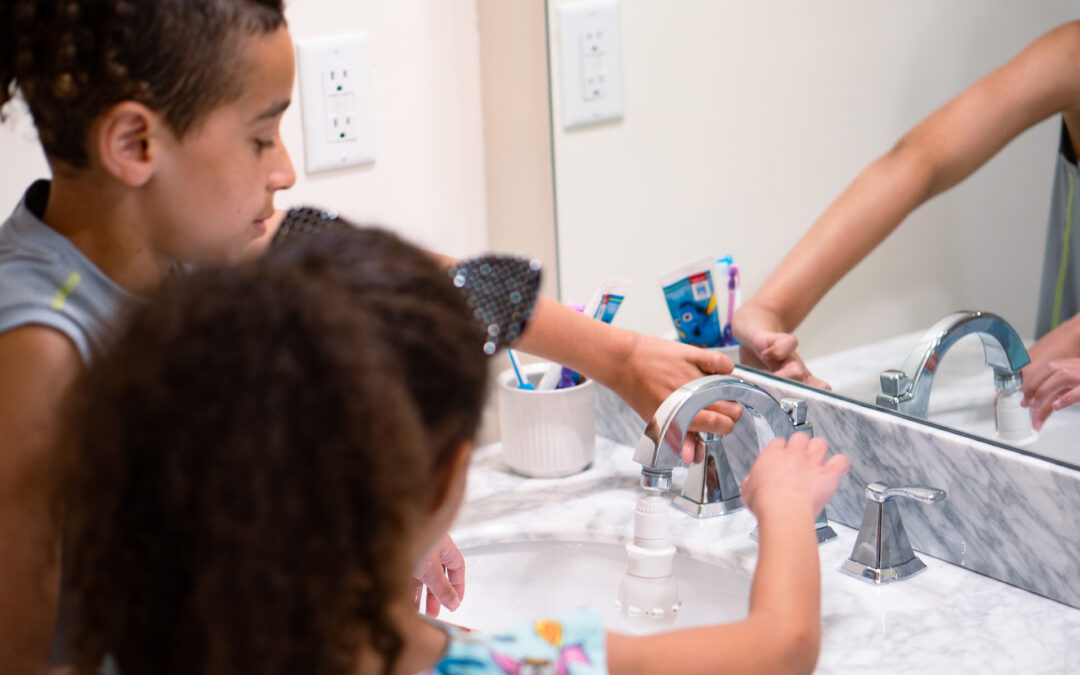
(908, 390)
(710, 488)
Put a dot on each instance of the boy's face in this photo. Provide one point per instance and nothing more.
(214, 189)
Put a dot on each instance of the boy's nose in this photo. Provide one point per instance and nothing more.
(284, 175)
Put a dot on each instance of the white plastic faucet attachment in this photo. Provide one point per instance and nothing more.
(1012, 420)
(648, 594)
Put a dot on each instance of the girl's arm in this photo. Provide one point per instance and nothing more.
(788, 485)
(640, 368)
(945, 148)
(38, 365)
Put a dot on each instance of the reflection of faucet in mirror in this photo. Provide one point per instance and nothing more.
(908, 390)
(660, 448)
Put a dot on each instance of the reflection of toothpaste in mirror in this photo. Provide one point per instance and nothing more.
(691, 299)
(603, 305)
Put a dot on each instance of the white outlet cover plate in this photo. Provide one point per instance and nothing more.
(327, 106)
(591, 88)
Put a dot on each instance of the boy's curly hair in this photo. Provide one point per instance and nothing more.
(248, 463)
(73, 59)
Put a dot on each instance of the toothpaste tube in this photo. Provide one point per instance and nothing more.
(690, 293)
(603, 305)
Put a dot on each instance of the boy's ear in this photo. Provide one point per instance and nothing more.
(125, 140)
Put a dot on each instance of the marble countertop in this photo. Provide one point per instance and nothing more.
(944, 620)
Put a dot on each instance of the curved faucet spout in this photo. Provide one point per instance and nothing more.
(908, 389)
(660, 448)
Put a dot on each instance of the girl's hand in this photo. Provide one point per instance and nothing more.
(765, 344)
(444, 575)
(1050, 386)
(793, 476)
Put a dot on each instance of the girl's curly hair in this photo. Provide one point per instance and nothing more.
(248, 463)
(73, 59)
(422, 317)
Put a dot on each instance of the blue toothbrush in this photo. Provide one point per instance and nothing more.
(522, 382)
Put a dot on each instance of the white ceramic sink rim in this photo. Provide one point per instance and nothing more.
(513, 582)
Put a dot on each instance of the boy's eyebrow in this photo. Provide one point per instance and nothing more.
(273, 111)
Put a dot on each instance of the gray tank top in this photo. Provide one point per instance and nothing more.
(1059, 295)
(45, 280)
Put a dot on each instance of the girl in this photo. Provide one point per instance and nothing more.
(268, 448)
(160, 124)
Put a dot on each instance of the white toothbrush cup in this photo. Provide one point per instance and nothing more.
(546, 434)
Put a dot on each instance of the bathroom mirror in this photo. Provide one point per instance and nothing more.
(741, 122)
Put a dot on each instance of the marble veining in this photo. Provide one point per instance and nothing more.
(943, 620)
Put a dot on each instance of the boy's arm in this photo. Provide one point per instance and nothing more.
(788, 485)
(945, 148)
(37, 366)
(640, 368)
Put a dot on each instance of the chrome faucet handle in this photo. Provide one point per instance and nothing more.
(796, 410)
(895, 383)
(882, 552)
(880, 493)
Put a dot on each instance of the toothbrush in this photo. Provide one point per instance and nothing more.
(522, 382)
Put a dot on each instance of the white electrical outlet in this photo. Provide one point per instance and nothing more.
(336, 102)
(591, 62)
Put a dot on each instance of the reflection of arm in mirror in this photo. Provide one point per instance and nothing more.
(941, 151)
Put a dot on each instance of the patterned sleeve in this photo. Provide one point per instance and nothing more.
(572, 644)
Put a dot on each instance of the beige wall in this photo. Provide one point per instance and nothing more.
(745, 119)
(517, 132)
(428, 179)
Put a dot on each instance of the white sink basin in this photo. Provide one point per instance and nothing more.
(508, 584)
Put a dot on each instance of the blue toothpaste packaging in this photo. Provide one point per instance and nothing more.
(690, 292)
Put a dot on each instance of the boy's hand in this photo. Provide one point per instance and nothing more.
(656, 367)
(793, 475)
(444, 575)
